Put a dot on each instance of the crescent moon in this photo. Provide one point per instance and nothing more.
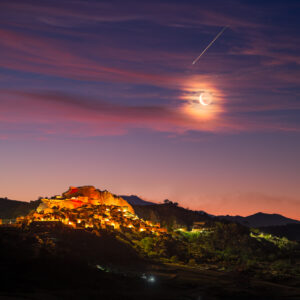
(202, 101)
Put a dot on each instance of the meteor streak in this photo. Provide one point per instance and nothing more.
(223, 29)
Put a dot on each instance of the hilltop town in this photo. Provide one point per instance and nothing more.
(87, 207)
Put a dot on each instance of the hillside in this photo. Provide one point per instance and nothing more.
(170, 215)
(166, 214)
(10, 209)
(75, 264)
(86, 231)
(135, 200)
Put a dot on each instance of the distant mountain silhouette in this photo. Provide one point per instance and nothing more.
(261, 220)
(135, 200)
(162, 213)
(10, 209)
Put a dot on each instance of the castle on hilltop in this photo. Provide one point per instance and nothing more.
(86, 207)
(76, 197)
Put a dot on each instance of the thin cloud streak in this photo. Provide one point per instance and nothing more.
(59, 14)
(60, 114)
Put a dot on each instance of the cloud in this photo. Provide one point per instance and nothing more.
(68, 115)
(248, 75)
(40, 114)
(48, 56)
(58, 13)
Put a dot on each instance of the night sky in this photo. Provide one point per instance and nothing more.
(104, 93)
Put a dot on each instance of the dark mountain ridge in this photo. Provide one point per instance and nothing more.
(168, 213)
(135, 200)
(10, 209)
(261, 220)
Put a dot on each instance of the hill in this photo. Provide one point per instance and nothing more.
(170, 215)
(10, 209)
(86, 234)
(260, 220)
(135, 200)
(75, 264)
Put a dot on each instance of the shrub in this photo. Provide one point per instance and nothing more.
(192, 262)
(174, 259)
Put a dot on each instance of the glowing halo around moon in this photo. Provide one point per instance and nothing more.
(202, 102)
(205, 99)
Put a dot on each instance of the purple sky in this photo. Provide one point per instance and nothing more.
(105, 93)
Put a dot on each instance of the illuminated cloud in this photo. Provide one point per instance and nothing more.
(41, 43)
(55, 114)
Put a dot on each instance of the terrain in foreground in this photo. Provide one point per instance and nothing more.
(91, 244)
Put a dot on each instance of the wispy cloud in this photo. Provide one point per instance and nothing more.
(50, 114)
(58, 13)
(248, 71)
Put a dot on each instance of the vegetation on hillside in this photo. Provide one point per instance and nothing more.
(170, 215)
(290, 231)
(64, 263)
(225, 246)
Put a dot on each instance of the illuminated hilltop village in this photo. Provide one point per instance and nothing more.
(87, 207)
(77, 197)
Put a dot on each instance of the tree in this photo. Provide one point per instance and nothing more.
(192, 261)
(147, 244)
(174, 259)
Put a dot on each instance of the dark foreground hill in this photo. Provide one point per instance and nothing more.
(78, 264)
(218, 259)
